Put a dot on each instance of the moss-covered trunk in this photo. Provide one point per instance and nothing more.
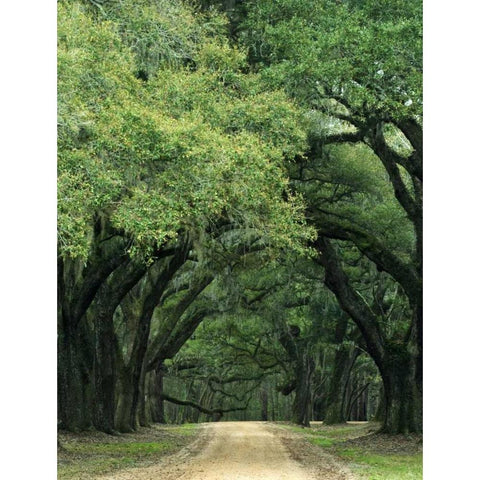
(345, 358)
(104, 371)
(73, 380)
(403, 394)
(73, 355)
(403, 410)
(143, 412)
(124, 401)
(301, 403)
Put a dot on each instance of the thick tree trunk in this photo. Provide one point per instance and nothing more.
(297, 350)
(124, 402)
(301, 402)
(403, 398)
(150, 292)
(108, 297)
(73, 356)
(77, 285)
(345, 358)
(73, 407)
(300, 406)
(104, 371)
(380, 410)
(158, 281)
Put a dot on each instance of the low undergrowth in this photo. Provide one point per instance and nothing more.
(386, 466)
(88, 454)
(370, 455)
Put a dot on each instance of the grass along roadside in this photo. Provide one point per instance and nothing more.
(371, 456)
(89, 454)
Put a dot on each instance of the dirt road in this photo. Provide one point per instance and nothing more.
(243, 451)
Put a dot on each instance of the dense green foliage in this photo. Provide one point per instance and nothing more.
(194, 145)
(366, 53)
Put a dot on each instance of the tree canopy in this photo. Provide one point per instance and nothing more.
(194, 144)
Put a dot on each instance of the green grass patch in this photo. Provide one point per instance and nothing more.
(186, 429)
(83, 458)
(365, 461)
(341, 432)
(134, 449)
(89, 459)
(380, 467)
(87, 468)
(325, 437)
(322, 441)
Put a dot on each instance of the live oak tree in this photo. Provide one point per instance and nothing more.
(356, 68)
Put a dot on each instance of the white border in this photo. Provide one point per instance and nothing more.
(451, 240)
(28, 238)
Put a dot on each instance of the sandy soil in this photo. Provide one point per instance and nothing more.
(243, 451)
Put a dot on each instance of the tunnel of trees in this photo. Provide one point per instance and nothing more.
(239, 212)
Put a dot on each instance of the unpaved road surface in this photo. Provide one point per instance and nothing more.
(243, 451)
